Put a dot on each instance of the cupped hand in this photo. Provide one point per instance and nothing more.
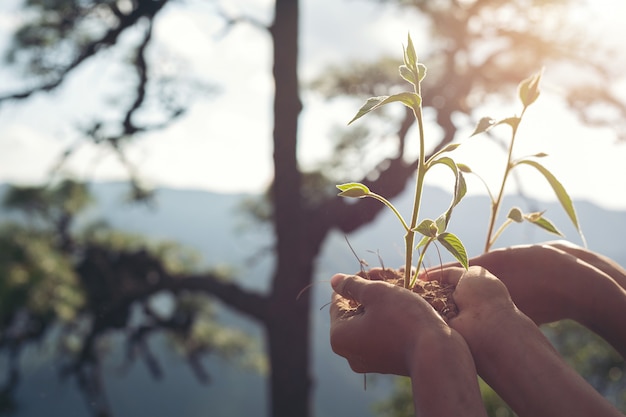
(510, 352)
(378, 327)
(558, 280)
(483, 301)
(554, 281)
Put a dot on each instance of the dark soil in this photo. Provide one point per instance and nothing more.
(437, 294)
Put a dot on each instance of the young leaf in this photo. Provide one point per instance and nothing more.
(407, 74)
(557, 187)
(370, 104)
(516, 215)
(410, 57)
(353, 190)
(441, 223)
(421, 71)
(511, 121)
(427, 228)
(483, 125)
(423, 242)
(539, 220)
(448, 148)
(454, 245)
(410, 100)
(460, 187)
(528, 90)
(464, 168)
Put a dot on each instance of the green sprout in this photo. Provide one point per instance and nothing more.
(528, 92)
(431, 230)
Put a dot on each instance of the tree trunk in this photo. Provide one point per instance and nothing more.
(287, 323)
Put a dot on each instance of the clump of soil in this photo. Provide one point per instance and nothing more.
(437, 294)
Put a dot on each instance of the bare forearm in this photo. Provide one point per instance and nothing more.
(606, 317)
(522, 366)
(444, 380)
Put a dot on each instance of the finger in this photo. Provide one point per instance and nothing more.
(449, 275)
(604, 264)
(384, 274)
(355, 288)
(348, 286)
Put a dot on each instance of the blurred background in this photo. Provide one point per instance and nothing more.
(169, 218)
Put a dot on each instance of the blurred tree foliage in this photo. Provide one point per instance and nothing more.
(477, 52)
(78, 287)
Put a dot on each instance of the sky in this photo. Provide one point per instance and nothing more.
(223, 144)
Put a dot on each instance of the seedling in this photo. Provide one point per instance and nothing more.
(436, 230)
(528, 92)
(431, 230)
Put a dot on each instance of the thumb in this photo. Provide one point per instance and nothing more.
(351, 287)
(446, 275)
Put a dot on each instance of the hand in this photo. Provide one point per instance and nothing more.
(484, 303)
(380, 327)
(388, 326)
(554, 281)
(511, 353)
(604, 264)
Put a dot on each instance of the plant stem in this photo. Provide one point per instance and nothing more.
(419, 263)
(419, 185)
(498, 232)
(495, 205)
(390, 206)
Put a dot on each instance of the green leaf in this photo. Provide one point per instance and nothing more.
(441, 223)
(421, 71)
(410, 57)
(353, 190)
(483, 125)
(423, 242)
(448, 148)
(539, 220)
(427, 228)
(559, 190)
(460, 187)
(454, 245)
(407, 74)
(370, 104)
(464, 168)
(410, 100)
(528, 90)
(516, 215)
(412, 76)
(511, 121)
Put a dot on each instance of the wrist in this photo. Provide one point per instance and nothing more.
(483, 326)
(435, 348)
(521, 365)
(443, 377)
(603, 315)
(498, 336)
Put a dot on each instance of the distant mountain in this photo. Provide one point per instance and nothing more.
(209, 223)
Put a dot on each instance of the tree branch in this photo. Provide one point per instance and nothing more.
(146, 9)
(230, 293)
